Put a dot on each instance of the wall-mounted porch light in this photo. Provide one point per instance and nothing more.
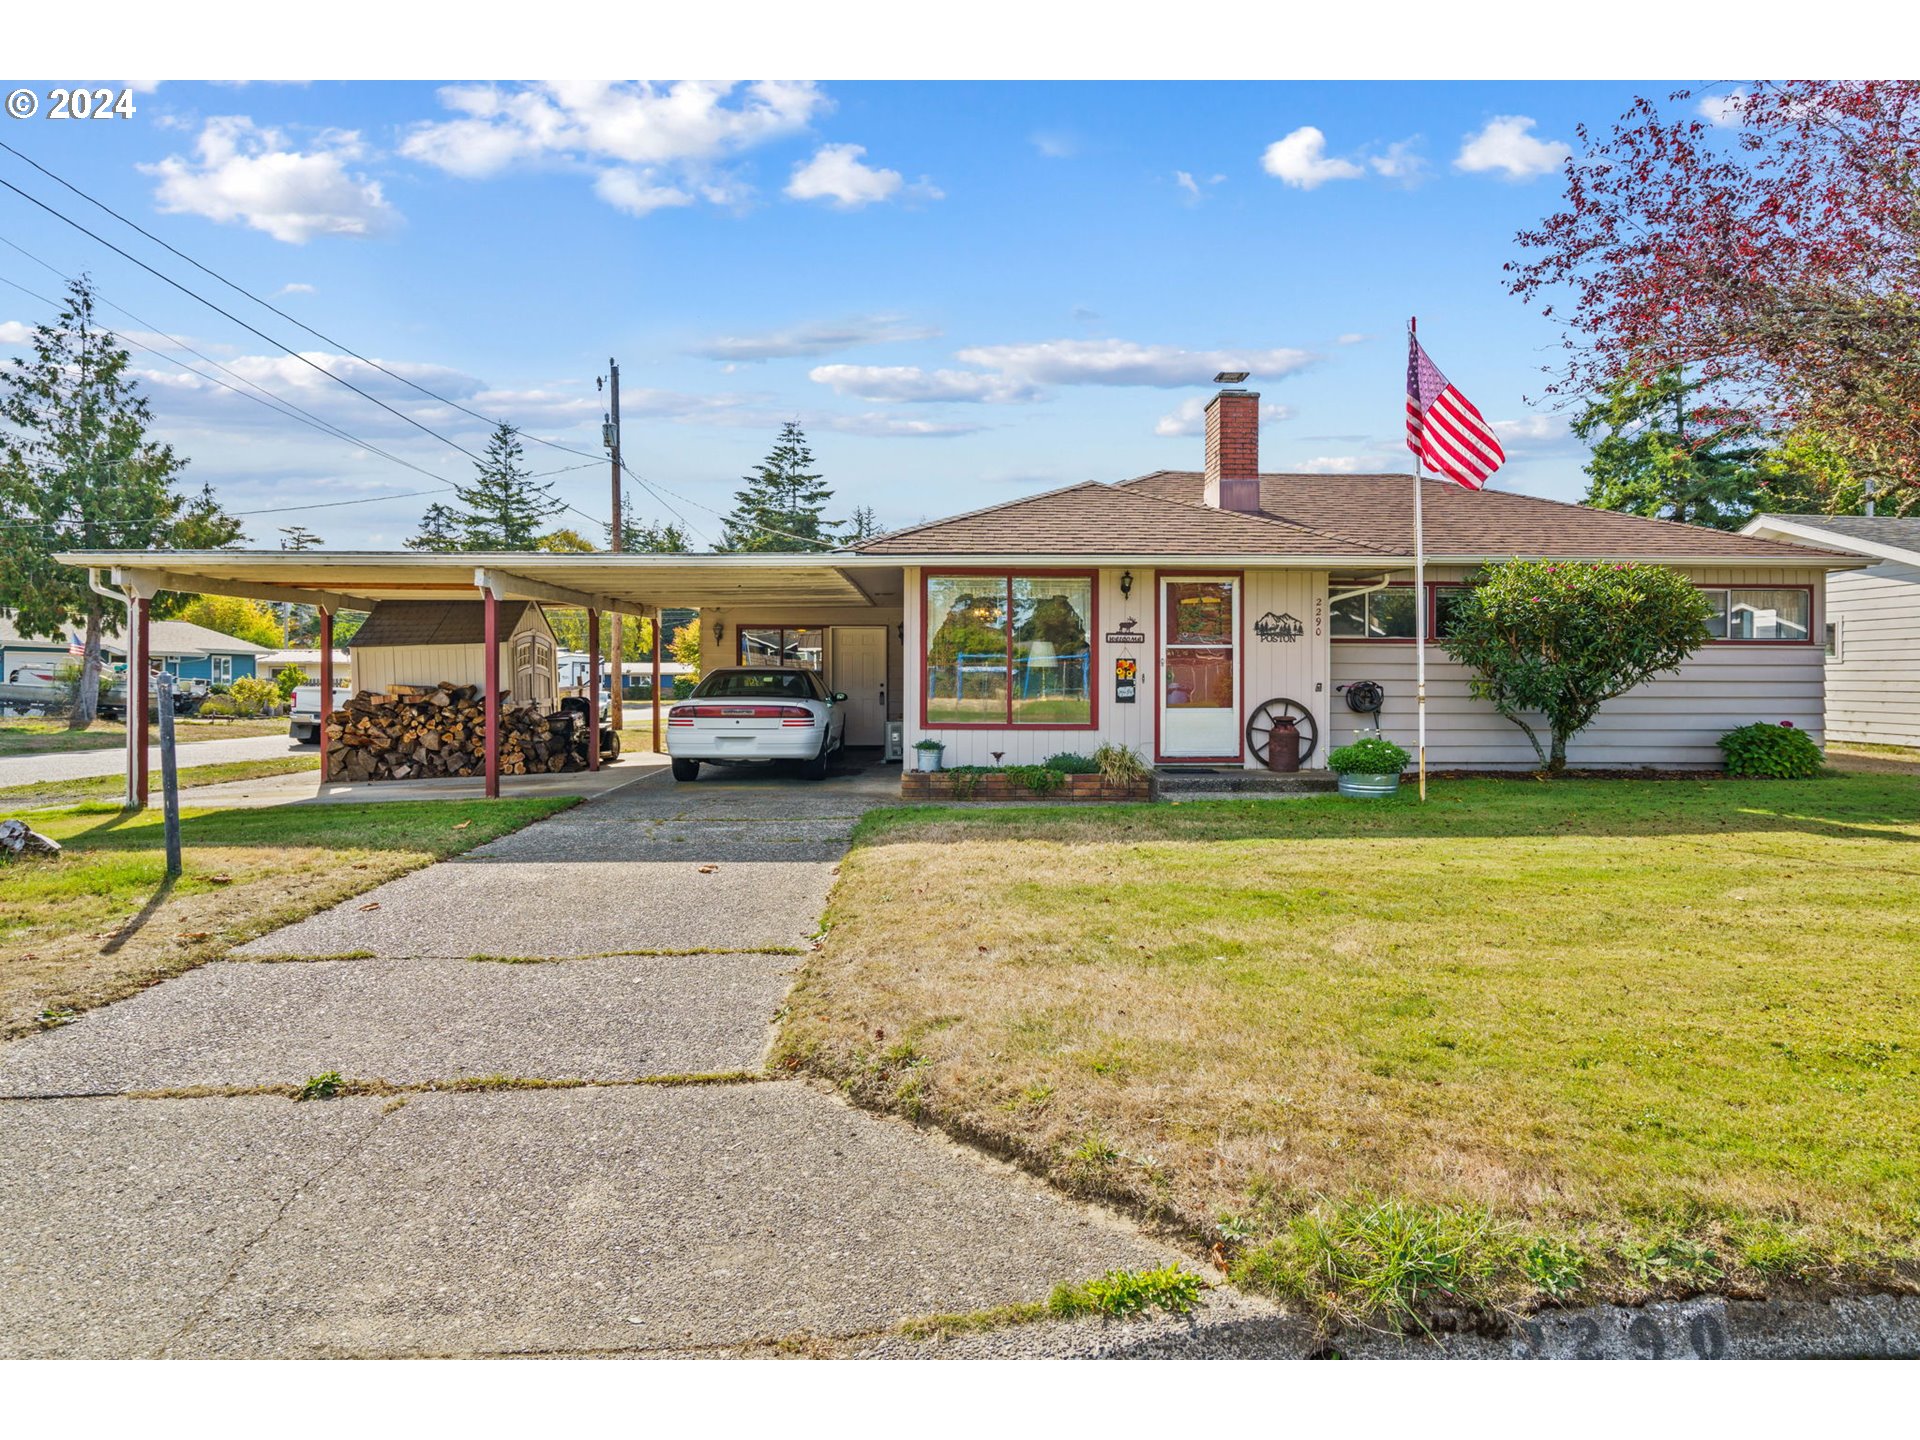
(719, 629)
(1126, 583)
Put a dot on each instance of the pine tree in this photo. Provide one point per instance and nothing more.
(78, 471)
(1662, 454)
(862, 525)
(663, 539)
(298, 537)
(441, 531)
(780, 510)
(503, 508)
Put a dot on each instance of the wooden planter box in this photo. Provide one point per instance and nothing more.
(940, 785)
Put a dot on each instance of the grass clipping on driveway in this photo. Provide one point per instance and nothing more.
(1585, 1039)
(100, 921)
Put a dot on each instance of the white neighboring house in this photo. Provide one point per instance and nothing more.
(1872, 625)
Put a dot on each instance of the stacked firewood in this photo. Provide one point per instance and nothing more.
(415, 732)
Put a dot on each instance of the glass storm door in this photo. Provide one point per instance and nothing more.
(1199, 669)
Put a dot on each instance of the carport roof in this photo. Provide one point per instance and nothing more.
(355, 579)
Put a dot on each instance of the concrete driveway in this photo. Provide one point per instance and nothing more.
(616, 1174)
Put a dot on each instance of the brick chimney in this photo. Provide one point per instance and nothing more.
(1233, 451)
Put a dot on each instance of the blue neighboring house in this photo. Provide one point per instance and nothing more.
(190, 652)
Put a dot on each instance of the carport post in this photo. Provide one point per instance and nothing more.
(493, 695)
(657, 745)
(326, 685)
(139, 685)
(593, 690)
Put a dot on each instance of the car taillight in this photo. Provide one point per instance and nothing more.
(787, 714)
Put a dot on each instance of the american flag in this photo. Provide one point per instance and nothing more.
(76, 646)
(1443, 429)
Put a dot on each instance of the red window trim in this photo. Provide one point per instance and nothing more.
(927, 578)
(1239, 757)
(1433, 616)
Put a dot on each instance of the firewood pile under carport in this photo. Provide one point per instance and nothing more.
(416, 732)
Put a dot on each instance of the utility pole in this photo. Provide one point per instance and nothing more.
(617, 630)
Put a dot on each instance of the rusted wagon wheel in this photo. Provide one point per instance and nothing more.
(1261, 721)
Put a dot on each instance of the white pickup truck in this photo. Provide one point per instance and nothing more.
(303, 718)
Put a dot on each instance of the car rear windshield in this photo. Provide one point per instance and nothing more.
(757, 685)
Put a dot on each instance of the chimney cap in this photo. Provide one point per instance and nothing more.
(1230, 377)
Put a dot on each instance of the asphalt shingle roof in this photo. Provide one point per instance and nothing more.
(1900, 530)
(434, 622)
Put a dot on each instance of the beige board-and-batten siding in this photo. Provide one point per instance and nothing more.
(1294, 669)
(1873, 682)
(1671, 722)
(726, 650)
(376, 667)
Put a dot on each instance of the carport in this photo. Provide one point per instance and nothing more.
(601, 584)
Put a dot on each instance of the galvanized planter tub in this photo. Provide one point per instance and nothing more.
(1370, 786)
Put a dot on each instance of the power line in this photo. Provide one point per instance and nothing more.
(250, 329)
(291, 319)
(750, 524)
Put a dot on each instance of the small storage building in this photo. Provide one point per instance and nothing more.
(425, 642)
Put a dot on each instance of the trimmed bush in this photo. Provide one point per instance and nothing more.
(1373, 755)
(1771, 752)
(1067, 763)
(253, 696)
(218, 707)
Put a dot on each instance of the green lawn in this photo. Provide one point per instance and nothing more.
(23, 735)
(1595, 1038)
(44, 793)
(101, 921)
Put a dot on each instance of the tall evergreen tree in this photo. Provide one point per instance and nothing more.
(782, 505)
(78, 471)
(504, 506)
(441, 531)
(647, 539)
(1662, 452)
(863, 524)
(298, 537)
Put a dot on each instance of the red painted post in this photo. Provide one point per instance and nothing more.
(140, 691)
(493, 695)
(593, 689)
(326, 686)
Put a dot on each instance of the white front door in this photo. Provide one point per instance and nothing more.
(860, 669)
(1199, 667)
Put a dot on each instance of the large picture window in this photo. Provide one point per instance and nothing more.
(1009, 649)
(1773, 616)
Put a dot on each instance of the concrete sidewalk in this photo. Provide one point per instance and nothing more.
(594, 1193)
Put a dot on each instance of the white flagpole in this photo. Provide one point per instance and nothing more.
(1419, 600)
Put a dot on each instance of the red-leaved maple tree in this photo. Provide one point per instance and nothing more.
(1769, 242)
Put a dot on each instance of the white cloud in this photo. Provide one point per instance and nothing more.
(909, 383)
(1400, 161)
(1300, 159)
(1330, 465)
(296, 287)
(1723, 109)
(1506, 144)
(813, 339)
(892, 427)
(1187, 183)
(1191, 417)
(1353, 337)
(1191, 186)
(648, 145)
(633, 192)
(837, 173)
(1123, 362)
(1533, 427)
(15, 332)
(1055, 144)
(257, 176)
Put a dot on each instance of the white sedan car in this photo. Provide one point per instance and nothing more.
(756, 714)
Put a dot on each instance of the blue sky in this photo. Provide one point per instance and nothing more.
(965, 292)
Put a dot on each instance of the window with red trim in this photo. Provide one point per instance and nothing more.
(1009, 649)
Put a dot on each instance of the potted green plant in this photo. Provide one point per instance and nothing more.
(1369, 766)
(926, 755)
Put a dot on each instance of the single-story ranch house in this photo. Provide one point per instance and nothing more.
(189, 652)
(1872, 630)
(1160, 613)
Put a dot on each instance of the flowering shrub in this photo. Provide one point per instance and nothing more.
(1771, 752)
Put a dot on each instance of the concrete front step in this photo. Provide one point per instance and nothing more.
(1181, 784)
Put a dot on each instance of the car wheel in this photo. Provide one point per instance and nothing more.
(816, 768)
(686, 769)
